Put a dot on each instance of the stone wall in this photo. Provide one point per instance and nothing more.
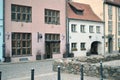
(91, 66)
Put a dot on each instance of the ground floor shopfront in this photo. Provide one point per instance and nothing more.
(21, 46)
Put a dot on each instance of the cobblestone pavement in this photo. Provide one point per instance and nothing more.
(23, 69)
(53, 76)
(43, 71)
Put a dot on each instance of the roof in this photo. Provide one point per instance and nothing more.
(113, 2)
(85, 9)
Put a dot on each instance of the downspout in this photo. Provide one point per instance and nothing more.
(3, 28)
(104, 25)
(67, 32)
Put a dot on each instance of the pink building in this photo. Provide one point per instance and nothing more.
(35, 27)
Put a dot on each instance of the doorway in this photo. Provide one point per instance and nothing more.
(48, 50)
(94, 48)
(110, 45)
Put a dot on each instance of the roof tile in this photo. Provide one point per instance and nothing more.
(88, 14)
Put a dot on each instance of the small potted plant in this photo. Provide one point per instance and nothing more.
(38, 55)
(7, 57)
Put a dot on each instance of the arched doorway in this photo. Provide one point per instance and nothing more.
(94, 47)
(110, 45)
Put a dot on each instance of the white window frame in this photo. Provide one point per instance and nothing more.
(82, 46)
(97, 29)
(74, 46)
(91, 29)
(73, 28)
(82, 28)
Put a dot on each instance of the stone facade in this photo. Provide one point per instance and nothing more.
(91, 66)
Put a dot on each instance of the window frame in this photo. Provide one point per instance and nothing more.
(82, 28)
(82, 46)
(110, 27)
(21, 42)
(110, 12)
(98, 29)
(119, 28)
(74, 46)
(73, 27)
(52, 16)
(54, 40)
(119, 42)
(21, 13)
(91, 29)
(118, 14)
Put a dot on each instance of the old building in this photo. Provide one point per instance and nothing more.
(34, 27)
(85, 30)
(109, 12)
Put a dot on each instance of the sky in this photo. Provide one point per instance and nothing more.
(1, 11)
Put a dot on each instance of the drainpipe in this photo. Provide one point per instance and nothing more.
(104, 24)
(67, 32)
(3, 29)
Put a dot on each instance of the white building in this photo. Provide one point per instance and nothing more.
(85, 30)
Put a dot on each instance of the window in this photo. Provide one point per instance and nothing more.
(119, 42)
(73, 27)
(118, 14)
(21, 13)
(52, 16)
(110, 27)
(119, 28)
(54, 42)
(91, 29)
(82, 46)
(21, 44)
(98, 29)
(55, 47)
(52, 37)
(82, 28)
(109, 12)
(77, 11)
(74, 47)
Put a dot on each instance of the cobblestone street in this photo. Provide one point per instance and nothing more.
(43, 71)
(23, 69)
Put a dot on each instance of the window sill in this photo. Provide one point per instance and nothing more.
(22, 21)
(98, 32)
(74, 31)
(74, 49)
(83, 32)
(83, 49)
(56, 52)
(91, 32)
(21, 55)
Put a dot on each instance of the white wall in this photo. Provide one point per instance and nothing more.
(79, 37)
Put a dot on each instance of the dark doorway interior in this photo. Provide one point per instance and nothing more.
(94, 48)
(110, 45)
(48, 50)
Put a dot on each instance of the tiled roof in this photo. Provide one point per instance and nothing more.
(113, 2)
(85, 9)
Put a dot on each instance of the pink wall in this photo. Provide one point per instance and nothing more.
(37, 25)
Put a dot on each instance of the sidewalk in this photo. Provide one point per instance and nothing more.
(53, 76)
